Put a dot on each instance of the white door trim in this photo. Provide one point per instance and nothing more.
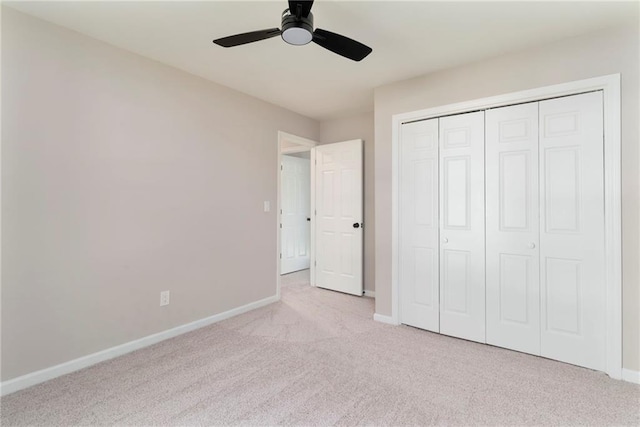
(306, 145)
(293, 150)
(610, 85)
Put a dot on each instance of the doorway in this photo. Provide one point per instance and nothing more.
(320, 193)
(294, 207)
(606, 173)
(295, 212)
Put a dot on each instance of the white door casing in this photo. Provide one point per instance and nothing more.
(512, 228)
(419, 245)
(295, 209)
(462, 263)
(609, 88)
(572, 244)
(338, 216)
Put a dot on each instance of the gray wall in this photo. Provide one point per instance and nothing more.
(360, 126)
(596, 54)
(122, 177)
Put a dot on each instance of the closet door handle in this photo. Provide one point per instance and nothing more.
(445, 240)
(531, 245)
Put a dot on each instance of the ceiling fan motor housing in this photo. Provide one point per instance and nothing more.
(297, 31)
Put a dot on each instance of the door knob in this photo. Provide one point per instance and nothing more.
(531, 245)
(356, 225)
(445, 240)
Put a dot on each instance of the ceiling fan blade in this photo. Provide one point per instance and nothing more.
(245, 38)
(341, 45)
(305, 4)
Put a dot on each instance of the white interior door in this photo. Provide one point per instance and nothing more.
(418, 243)
(295, 204)
(462, 284)
(572, 230)
(339, 234)
(512, 236)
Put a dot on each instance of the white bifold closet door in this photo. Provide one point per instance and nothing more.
(419, 246)
(544, 231)
(513, 290)
(462, 226)
(572, 285)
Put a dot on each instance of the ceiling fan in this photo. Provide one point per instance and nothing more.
(297, 29)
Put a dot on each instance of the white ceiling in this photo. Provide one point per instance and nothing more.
(408, 39)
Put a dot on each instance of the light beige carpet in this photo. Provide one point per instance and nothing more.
(318, 358)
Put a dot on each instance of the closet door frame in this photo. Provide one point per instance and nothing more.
(610, 86)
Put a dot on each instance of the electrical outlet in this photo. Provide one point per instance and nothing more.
(164, 298)
(267, 205)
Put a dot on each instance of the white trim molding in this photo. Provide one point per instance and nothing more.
(610, 86)
(294, 150)
(631, 376)
(294, 139)
(312, 211)
(385, 319)
(369, 294)
(47, 374)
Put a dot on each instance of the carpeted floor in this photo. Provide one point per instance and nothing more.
(318, 358)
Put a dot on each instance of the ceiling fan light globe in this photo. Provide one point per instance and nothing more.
(297, 36)
(296, 31)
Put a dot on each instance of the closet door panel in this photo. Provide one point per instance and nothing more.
(418, 200)
(512, 206)
(572, 230)
(462, 287)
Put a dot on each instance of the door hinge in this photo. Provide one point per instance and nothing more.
(280, 225)
(281, 167)
(280, 256)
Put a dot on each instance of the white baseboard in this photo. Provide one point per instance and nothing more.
(370, 294)
(46, 374)
(631, 376)
(384, 319)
